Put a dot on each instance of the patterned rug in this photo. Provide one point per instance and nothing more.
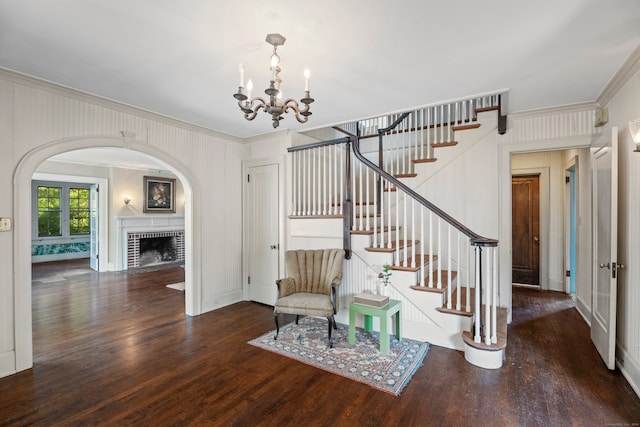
(362, 362)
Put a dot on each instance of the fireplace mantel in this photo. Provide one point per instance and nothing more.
(139, 223)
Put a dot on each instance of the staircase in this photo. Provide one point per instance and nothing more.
(367, 189)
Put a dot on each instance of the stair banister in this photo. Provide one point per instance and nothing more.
(346, 203)
(475, 240)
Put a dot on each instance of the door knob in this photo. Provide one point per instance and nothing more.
(535, 239)
(604, 265)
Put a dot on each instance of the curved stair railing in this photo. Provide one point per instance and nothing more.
(445, 254)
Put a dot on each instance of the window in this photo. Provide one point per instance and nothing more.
(62, 209)
(49, 211)
(78, 211)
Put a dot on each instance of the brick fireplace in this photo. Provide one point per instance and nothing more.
(149, 240)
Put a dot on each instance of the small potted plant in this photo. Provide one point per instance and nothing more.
(385, 277)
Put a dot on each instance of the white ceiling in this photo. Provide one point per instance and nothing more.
(180, 58)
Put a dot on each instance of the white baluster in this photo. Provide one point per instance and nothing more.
(430, 249)
(439, 253)
(405, 259)
(449, 273)
(333, 205)
(449, 124)
(413, 232)
(367, 206)
(468, 257)
(305, 184)
(494, 306)
(459, 281)
(337, 182)
(398, 224)
(422, 252)
(360, 196)
(376, 243)
(487, 299)
(476, 314)
(388, 234)
(294, 182)
(325, 177)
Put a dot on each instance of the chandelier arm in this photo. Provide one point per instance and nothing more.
(293, 105)
(250, 110)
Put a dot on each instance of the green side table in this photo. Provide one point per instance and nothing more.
(384, 313)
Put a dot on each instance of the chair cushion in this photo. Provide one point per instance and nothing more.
(305, 304)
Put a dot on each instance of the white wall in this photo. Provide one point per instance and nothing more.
(39, 120)
(625, 106)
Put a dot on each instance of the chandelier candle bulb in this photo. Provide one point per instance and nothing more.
(249, 88)
(241, 69)
(306, 80)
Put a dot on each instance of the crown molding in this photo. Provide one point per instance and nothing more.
(551, 111)
(620, 78)
(38, 83)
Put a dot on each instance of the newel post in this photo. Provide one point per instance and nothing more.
(347, 208)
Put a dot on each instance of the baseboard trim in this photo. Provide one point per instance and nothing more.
(7, 363)
(221, 301)
(629, 367)
(584, 311)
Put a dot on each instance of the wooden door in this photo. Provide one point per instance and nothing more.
(263, 239)
(605, 219)
(525, 199)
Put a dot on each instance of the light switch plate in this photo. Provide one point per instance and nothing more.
(5, 224)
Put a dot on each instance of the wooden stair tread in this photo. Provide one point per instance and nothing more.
(384, 230)
(463, 302)
(418, 262)
(483, 109)
(501, 332)
(445, 144)
(444, 281)
(465, 127)
(427, 160)
(406, 175)
(394, 246)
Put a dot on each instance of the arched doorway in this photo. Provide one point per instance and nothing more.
(22, 231)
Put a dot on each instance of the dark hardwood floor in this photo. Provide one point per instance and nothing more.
(117, 349)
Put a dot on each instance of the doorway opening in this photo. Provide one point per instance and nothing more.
(525, 220)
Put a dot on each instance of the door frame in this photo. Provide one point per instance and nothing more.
(246, 165)
(570, 225)
(544, 199)
(103, 208)
(505, 150)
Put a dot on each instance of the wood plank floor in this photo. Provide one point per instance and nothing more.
(117, 349)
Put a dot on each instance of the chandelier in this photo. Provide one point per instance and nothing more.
(274, 104)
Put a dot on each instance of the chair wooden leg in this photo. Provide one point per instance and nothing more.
(331, 323)
(275, 318)
(297, 318)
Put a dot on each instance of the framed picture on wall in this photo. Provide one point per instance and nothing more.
(159, 195)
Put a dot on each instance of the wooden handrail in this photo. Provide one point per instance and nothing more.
(474, 238)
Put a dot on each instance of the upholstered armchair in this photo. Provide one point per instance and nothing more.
(312, 286)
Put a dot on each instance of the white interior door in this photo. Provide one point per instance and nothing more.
(93, 226)
(605, 217)
(263, 239)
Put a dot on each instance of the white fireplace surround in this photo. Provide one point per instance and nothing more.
(139, 224)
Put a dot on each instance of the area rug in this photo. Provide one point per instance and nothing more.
(177, 286)
(362, 362)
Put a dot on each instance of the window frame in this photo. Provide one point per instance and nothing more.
(65, 220)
